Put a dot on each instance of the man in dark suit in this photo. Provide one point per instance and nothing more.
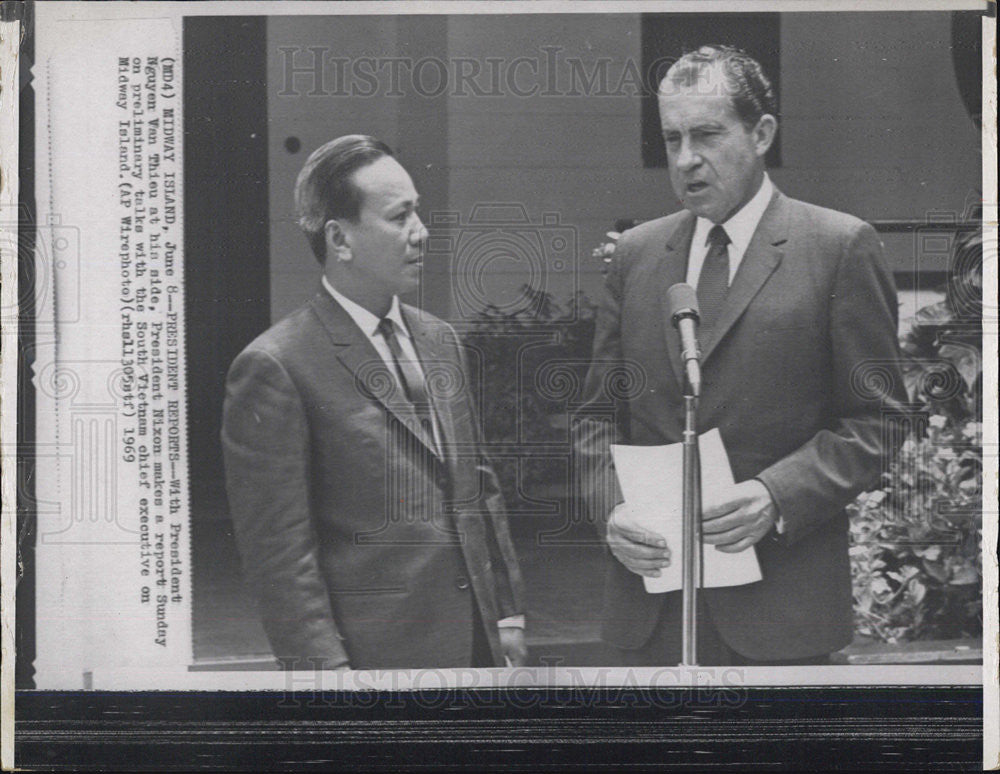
(369, 522)
(798, 321)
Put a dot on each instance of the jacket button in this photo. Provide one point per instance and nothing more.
(462, 582)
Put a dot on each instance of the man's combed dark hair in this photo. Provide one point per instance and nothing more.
(325, 189)
(746, 84)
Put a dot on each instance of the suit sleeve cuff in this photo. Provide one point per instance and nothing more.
(779, 523)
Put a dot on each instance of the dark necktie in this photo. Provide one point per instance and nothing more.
(713, 282)
(410, 377)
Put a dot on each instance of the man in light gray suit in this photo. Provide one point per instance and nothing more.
(370, 524)
(796, 303)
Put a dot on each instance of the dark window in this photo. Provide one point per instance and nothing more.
(226, 227)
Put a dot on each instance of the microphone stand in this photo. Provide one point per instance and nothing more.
(683, 303)
(691, 555)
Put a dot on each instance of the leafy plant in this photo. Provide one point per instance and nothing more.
(917, 541)
(542, 339)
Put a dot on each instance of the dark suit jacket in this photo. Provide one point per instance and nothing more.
(796, 375)
(360, 542)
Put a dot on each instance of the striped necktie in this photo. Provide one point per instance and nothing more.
(713, 282)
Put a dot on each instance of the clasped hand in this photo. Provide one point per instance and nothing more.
(733, 519)
(513, 645)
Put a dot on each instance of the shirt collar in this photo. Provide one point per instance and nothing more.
(741, 226)
(364, 319)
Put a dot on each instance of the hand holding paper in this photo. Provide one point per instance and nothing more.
(650, 478)
(737, 517)
(641, 551)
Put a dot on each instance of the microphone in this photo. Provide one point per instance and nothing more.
(683, 304)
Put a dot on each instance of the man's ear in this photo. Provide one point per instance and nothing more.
(336, 241)
(764, 133)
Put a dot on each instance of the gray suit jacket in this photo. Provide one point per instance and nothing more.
(360, 542)
(798, 375)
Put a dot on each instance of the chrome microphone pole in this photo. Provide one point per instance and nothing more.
(691, 554)
(683, 302)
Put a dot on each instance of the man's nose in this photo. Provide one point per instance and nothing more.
(419, 233)
(686, 157)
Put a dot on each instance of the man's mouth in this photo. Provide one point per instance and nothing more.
(696, 187)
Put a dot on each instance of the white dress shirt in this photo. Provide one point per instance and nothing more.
(368, 323)
(740, 229)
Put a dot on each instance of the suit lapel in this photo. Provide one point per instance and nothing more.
(762, 257)
(356, 353)
(673, 269)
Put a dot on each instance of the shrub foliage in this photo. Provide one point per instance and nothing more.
(917, 541)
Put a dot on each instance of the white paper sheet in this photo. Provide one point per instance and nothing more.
(651, 480)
